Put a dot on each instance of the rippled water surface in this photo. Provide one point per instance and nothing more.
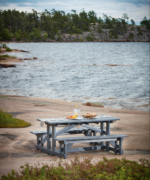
(78, 72)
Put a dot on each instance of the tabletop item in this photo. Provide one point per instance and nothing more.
(89, 115)
(72, 117)
(76, 111)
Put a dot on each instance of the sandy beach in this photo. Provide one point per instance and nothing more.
(17, 145)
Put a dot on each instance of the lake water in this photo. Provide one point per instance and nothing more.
(78, 72)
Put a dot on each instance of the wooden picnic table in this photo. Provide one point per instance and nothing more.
(70, 124)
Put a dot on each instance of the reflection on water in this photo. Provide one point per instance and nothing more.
(78, 72)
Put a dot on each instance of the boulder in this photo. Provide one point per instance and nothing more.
(27, 59)
(73, 37)
(7, 65)
(34, 57)
(94, 104)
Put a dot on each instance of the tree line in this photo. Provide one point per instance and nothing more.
(28, 26)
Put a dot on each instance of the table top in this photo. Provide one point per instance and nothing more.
(79, 120)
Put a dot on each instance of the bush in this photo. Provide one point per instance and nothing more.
(5, 46)
(45, 36)
(112, 169)
(89, 38)
(81, 40)
(139, 30)
(7, 121)
(3, 57)
(132, 28)
(75, 40)
(8, 49)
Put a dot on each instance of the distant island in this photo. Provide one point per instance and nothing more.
(57, 26)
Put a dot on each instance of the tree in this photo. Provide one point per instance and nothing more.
(6, 35)
(45, 36)
(132, 22)
(145, 22)
(125, 17)
(92, 17)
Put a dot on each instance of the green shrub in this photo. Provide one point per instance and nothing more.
(139, 30)
(59, 38)
(45, 36)
(81, 40)
(132, 28)
(7, 121)
(5, 46)
(112, 169)
(8, 49)
(89, 38)
(2, 57)
(75, 40)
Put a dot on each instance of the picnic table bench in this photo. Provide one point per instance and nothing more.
(42, 135)
(67, 142)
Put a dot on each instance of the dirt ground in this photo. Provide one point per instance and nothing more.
(17, 145)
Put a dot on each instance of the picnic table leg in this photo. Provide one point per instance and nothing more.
(102, 129)
(120, 146)
(48, 137)
(53, 136)
(65, 150)
(107, 133)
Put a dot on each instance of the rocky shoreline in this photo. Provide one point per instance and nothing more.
(133, 33)
(6, 62)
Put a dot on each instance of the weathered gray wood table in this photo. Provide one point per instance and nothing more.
(52, 134)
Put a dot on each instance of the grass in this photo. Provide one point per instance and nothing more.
(2, 57)
(7, 121)
(113, 169)
(8, 49)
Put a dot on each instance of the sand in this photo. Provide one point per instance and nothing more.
(17, 145)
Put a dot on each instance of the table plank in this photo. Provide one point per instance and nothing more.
(64, 121)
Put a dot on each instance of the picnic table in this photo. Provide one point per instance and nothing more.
(97, 142)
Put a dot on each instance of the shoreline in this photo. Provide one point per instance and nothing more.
(75, 42)
(20, 149)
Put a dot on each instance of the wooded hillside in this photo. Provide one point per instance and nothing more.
(58, 26)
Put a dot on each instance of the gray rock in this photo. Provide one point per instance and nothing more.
(94, 104)
(27, 59)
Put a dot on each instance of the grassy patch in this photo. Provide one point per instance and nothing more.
(7, 121)
(76, 169)
(8, 49)
(2, 57)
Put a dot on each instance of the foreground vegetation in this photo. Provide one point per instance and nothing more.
(5, 47)
(6, 56)
(113, 169)
(7, 121)
(42, 25)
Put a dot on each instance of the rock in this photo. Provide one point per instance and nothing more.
(3, 50)
(34, 57)
(27, 59)
(20, 58)
(94, 104)
(94, 64)
(23, 51)
(7, 65)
